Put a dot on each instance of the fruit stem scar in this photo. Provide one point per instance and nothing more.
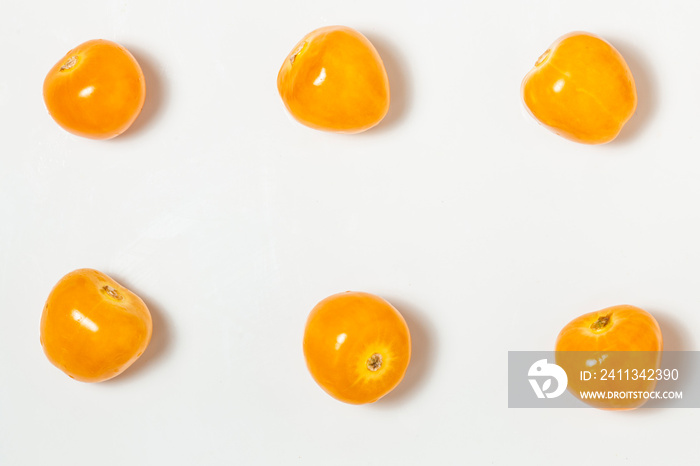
(112, 292)
(296, 52)
(543, 57)
(70, 63)
(601, 323)
(374, 363)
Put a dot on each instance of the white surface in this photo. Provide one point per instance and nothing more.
(488, 232)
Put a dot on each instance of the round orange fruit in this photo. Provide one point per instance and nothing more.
(581, 88)
(334, 80)
(357, 346)
(96, 91)
(613, 345)
(92, 328)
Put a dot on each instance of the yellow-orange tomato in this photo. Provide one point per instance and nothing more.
(96, 91)
(357, 346)
(92, 328)
(620, 340)
(334, 80)
(581, 88)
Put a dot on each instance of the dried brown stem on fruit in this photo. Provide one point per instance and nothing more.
(112, 292)
(374, 363)
(70, 63)
(601, 323)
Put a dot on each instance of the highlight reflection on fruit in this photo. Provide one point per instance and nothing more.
(334, 80)
(92, 328)
(581, 88)
(624, 339)
(96, 91)
(357, 346)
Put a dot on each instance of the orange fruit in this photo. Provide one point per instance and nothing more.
(334, 80)
(614, 345)
(357, 346)
(96, 91)
(581, 88)
(92, 328)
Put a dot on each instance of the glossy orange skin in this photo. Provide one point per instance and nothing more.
(92, 328)
(342, 333)
(334, 80)
(581, 88)
(96, 91)
(631, 339)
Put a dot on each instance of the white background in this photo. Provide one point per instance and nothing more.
(231, 220)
